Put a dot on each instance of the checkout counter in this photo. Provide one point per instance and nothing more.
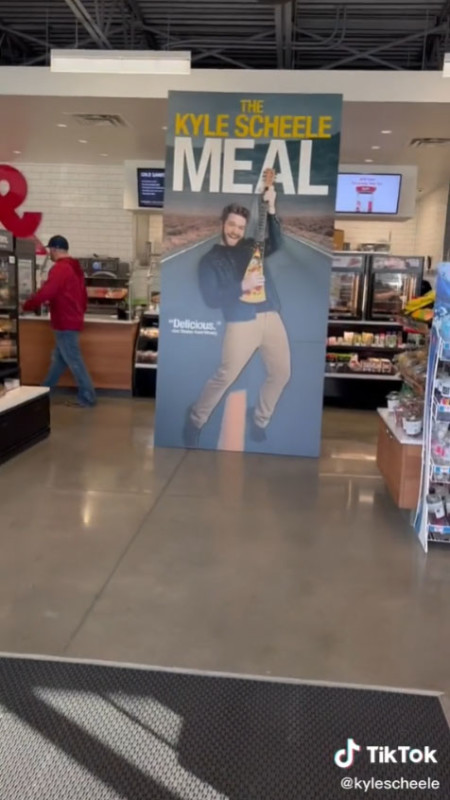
(107, 340)
(107, 344)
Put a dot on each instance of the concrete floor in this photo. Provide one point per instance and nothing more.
(248, 564)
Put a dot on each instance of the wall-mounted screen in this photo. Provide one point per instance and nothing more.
(150, 187)
(368, 194)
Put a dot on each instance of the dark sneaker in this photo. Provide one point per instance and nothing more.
(256, 433)
(191, 434)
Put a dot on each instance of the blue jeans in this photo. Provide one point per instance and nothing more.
(67, 354)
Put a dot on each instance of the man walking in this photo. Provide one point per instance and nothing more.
(250, 326)
(65, 292)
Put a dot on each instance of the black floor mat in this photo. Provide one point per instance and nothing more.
(92, 732)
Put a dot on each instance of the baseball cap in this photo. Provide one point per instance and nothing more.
(58, 242)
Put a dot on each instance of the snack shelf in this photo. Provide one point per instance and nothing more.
(349, 348)
(367, 323)
(363, 376)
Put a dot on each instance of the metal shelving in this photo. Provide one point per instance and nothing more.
(363, 376)
(435, 472)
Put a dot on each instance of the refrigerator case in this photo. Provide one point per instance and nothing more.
(347, 285)
(393, 281)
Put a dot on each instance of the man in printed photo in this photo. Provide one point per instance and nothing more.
(234, 278)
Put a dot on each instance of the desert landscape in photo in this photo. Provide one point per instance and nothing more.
(186, 230)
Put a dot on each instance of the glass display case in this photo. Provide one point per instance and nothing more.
(9, 339)
(146, 350)
(347, 286)
(393, 281)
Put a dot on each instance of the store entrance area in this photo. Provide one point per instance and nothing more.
(242, 563)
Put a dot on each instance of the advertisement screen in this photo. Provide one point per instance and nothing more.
(368, 194)
(151, 188)
(245, 275)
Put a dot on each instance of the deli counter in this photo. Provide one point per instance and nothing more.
(108, 337)
(107, 344)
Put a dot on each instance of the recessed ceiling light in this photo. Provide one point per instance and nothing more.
(368, 160)
(164, 127)
(386, 133)
(376, 147)
(104, 155)
(17, 152)
(61, 125)
(82, 141)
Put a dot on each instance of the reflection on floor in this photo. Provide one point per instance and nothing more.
(247, 564)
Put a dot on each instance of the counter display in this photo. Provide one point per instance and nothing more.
(24, 419)
(107, 345)
(399, 460)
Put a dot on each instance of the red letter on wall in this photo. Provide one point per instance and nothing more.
(22, 226)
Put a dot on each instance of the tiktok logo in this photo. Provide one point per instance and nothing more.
(345, 758)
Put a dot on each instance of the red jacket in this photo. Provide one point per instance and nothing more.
(65, 291)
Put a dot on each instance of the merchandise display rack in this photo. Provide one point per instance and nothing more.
(435, 479)
(437, 471)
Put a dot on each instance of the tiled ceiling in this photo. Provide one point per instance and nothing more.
(258, 34)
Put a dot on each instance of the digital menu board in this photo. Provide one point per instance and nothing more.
(150, 187)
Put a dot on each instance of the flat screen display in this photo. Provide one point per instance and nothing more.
(368, 194)
(151, 187)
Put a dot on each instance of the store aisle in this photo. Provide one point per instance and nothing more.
(217, 561)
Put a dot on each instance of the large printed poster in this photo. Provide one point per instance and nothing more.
(248, 226)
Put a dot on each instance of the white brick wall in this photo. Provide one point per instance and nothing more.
(84, 203)
(402, 235)
(431, 216)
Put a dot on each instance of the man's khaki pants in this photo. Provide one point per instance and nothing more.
(267, 334)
